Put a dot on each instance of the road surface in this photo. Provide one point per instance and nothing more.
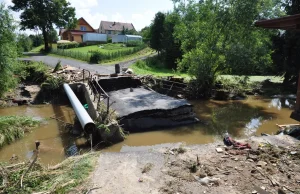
(95, 68)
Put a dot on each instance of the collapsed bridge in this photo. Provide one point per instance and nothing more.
(139, 108)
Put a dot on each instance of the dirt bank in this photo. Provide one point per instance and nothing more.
(272, 164)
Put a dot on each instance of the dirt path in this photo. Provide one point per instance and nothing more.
(102, 69)
(174, 169)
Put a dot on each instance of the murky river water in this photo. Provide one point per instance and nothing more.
(239, 118)
(50, 133)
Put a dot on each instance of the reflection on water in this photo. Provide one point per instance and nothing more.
(252, 126)
(240, 119)
(50, 134)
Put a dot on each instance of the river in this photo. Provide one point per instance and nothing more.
(241, 119)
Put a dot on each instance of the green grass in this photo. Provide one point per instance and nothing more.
(14, 127)
(61, 178)
(275, 79)
(152, 66)
(107, 48)
(145, 52)
(156, 68)
(38, 49)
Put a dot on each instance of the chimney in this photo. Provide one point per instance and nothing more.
(114, 23)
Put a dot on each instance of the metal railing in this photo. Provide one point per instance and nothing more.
(98, 92)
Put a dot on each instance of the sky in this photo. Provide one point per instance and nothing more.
(138, 12)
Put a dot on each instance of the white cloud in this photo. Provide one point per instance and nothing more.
(92, 19)
(81, 4)
(89, 10)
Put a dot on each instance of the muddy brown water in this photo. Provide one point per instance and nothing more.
(50, 133)
(241, 119)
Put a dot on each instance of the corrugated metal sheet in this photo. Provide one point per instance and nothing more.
(126, 38)
(94, 37)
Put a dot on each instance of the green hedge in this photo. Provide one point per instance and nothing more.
(68, 45)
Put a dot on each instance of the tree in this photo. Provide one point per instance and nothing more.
(43, 14)
(24, 43)
(171, 47)
(157, 30)
(218, 36)
(37, 40)
(53, 37)
(8, 50)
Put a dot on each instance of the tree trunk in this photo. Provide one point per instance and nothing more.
(46, 41)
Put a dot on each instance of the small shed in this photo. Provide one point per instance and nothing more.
(126, 38)
(94, 38)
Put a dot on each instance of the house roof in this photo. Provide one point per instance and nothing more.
(86, 23)
(116, 26)
(284, 23)
(62, 30)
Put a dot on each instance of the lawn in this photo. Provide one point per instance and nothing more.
(156, 68)
(106, 48)
(142, 53)
(38, 49)
(152, 66)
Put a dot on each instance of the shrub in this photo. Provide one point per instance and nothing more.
(32, 72)
(109, 40)
(68, 45)
(95, 57)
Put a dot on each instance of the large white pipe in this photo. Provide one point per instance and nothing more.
(84, 118)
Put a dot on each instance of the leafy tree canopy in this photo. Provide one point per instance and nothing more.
(8, 50)
(44, 14)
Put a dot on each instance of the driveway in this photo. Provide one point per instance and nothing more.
(95, 68)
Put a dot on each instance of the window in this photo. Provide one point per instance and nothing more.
(82, 28)
(109, 31)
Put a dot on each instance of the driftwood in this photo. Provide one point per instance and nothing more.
(287, 125)
(15, 165)
(37, 144)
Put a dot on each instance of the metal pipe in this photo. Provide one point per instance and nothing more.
(84, 118)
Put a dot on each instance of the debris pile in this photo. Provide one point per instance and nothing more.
(264, 168)
(70, 74)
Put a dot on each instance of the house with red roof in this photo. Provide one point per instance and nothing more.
(76, 34)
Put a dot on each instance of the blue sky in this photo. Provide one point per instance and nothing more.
(138, 12)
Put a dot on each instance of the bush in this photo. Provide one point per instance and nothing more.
(95, 57)
(68, 45)
(133, 43)
(31, 72)
(109, 40)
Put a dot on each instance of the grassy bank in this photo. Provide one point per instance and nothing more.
(14, 127)
(152, 66)
(38, 49)
(105, 48)
(61, 178)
